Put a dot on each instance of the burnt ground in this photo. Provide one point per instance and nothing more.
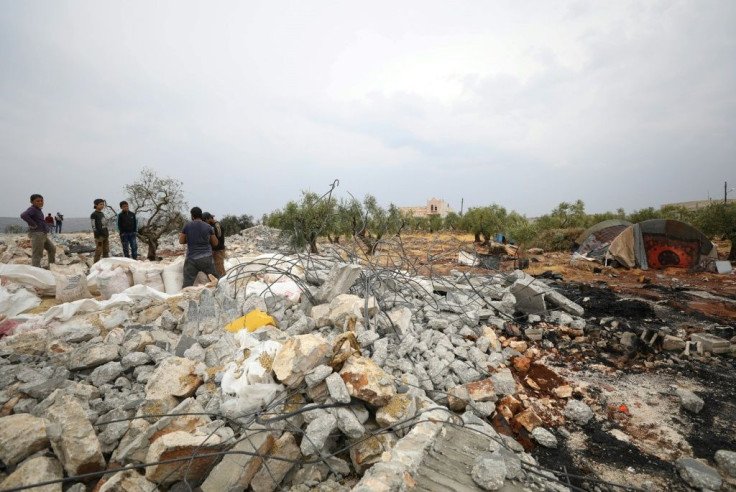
(642, 444)
(640, 428)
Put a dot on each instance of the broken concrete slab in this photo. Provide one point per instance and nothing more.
(21, 435)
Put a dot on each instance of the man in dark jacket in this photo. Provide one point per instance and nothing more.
(128, 227)
(218, 252)
(38, 231)
(199, 238)
(99, 228)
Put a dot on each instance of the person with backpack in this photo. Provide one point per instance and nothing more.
(99, 228)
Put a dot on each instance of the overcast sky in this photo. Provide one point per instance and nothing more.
(521, 103)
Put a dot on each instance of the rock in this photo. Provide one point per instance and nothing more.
(337, 388)
(180, 444)
(175, 376)
(489, 471)
(479, 391)
(317, 433)
(366, 381)
(698, 475)
(400, 408)
(96, 355)
(544, 437)
(690, 401)
(128, 481)
(298, 356)
(106, 373)
(366, 452)
(341, 277)
(281, 460)
(527, 419)
(726, 461)
(578, 412)
(35, 470)
(21, 435)
(236, 470)
(504, 382)
(673, 343)
(73, 438)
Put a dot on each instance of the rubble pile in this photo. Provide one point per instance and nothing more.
(359, 378)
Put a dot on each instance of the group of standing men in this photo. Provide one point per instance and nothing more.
(203, 236)
(54, 224)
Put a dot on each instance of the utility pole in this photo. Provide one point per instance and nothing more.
(462, 201)
(725, 192)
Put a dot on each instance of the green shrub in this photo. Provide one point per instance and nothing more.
(557, 239)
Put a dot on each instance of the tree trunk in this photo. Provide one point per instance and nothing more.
(313, 247)
(477, 237)
(152, 247)
(732, 254)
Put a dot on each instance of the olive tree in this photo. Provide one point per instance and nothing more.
(159, 206)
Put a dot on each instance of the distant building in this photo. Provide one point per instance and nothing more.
(434, 206)
(697, 204)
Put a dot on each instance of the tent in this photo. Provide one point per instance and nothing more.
(661, 243)
(595, 240)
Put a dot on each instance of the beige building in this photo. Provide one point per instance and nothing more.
(434, 206)
(698, 204)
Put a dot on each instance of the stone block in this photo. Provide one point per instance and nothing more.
(280, 462)
(236, 470)
(21, 435)
(185, 446)
(711, 343)
(366, 381)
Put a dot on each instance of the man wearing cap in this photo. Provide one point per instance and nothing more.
(218, 252)
(199, 237)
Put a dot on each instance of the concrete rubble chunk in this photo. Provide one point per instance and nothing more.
(236, 470)
(711, 343)
(479, 391)
(128, 481)
(401, 322)
(316, 434)
(673, 343)
(298, 356)
(400, 408)
(337, 388)
(281, 460)
(690, 401)
(578, 412)
(544, 437)
(93, 356)
(504, 382)
(35, 470)
(726, 461)
(366, 381)
(175, 376)
(21, 435)
(73, 438)
(489, 471)
(698, 475)
(340, 278)
(180, 444)
(26, 343)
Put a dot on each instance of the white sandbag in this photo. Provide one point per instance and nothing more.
(113, 281)
(287, 288)
(148, 274)
(129, 296)
(173, 276)
(107, 264)
(29, 275)
(71, 287)
(15, 298)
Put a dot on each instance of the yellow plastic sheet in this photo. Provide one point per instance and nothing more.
(251, 321)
